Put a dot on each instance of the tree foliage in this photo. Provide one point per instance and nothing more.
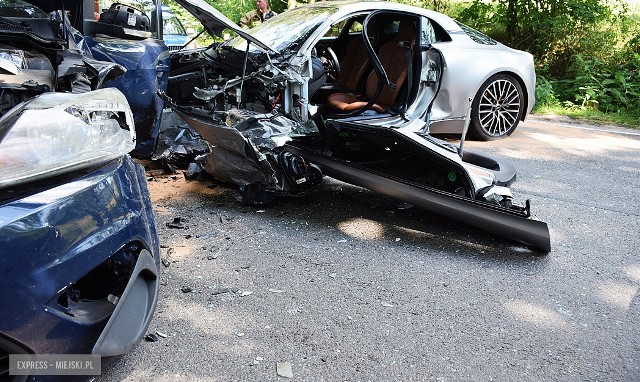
(586, 50)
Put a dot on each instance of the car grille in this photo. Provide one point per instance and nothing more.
(6, 348)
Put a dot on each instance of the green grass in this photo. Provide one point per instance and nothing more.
(626, 119)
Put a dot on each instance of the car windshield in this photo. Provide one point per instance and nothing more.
(171, 25)
(18, 8)
(287, 29)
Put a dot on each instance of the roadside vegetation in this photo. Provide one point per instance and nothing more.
(587, 52)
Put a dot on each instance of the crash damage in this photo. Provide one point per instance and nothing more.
(271, 134)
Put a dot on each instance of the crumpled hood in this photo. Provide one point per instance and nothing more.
(54, 5)
(215, 22)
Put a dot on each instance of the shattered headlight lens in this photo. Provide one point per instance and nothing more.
(56, 133)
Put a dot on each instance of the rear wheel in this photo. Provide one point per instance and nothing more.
(497, 108)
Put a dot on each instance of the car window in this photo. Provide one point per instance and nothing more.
(171, 25)
(433, 32)
(477, 36)
(428, 36)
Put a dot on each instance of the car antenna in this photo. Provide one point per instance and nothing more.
(465, 129)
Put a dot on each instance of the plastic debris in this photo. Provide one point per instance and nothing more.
(151, 337)
(166, 263)
(194, 170)
(405, 206)
(387, 304)
(342, 241)
(186, 289)
(217, 291)
(246, 293)
(276, 290)
(160, 334)
(177, 222)
(284, 369)
(178, 147)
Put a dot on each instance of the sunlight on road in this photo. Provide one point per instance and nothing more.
(617, 294)
(632, 271)
(361, 228)
(535, 314)
(599, 144)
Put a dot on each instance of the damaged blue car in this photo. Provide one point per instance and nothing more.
(79, 251)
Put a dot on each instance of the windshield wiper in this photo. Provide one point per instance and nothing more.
(23, 26)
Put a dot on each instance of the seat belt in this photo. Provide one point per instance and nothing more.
(408, 61)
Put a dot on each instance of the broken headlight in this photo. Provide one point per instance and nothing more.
(56, 133)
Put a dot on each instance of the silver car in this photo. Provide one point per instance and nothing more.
(354, 90)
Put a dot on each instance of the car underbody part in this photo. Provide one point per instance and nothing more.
(506, 222)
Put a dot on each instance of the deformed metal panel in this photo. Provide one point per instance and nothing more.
(492, 218)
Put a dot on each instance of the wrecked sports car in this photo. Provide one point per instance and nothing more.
(79, 250)
(281, 110)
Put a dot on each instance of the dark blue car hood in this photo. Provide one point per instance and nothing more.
(54, 5)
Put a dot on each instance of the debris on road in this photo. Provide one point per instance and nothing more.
(151, 337)
(284, 369)
(177, 222)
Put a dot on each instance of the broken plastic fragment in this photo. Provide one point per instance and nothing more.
(151, 337)
(387, 304)
(246, 293)
(176, 223)
(161, 334)
(284, 369)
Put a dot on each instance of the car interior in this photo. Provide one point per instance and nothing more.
(354, 83)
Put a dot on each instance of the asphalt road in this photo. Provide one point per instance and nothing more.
(347, 285)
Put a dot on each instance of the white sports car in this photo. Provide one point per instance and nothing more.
(354, 90)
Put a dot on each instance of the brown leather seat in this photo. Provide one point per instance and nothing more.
(393, 59)
(355, 65)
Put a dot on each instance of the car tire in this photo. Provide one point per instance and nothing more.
(497, 108)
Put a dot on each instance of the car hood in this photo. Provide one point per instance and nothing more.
(215, 22)
(54, 5)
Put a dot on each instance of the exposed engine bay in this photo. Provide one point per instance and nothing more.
(44, 54)
(215, 81)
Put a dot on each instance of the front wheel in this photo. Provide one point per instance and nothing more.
(497, 108)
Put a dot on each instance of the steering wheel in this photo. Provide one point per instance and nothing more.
(330, 64)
